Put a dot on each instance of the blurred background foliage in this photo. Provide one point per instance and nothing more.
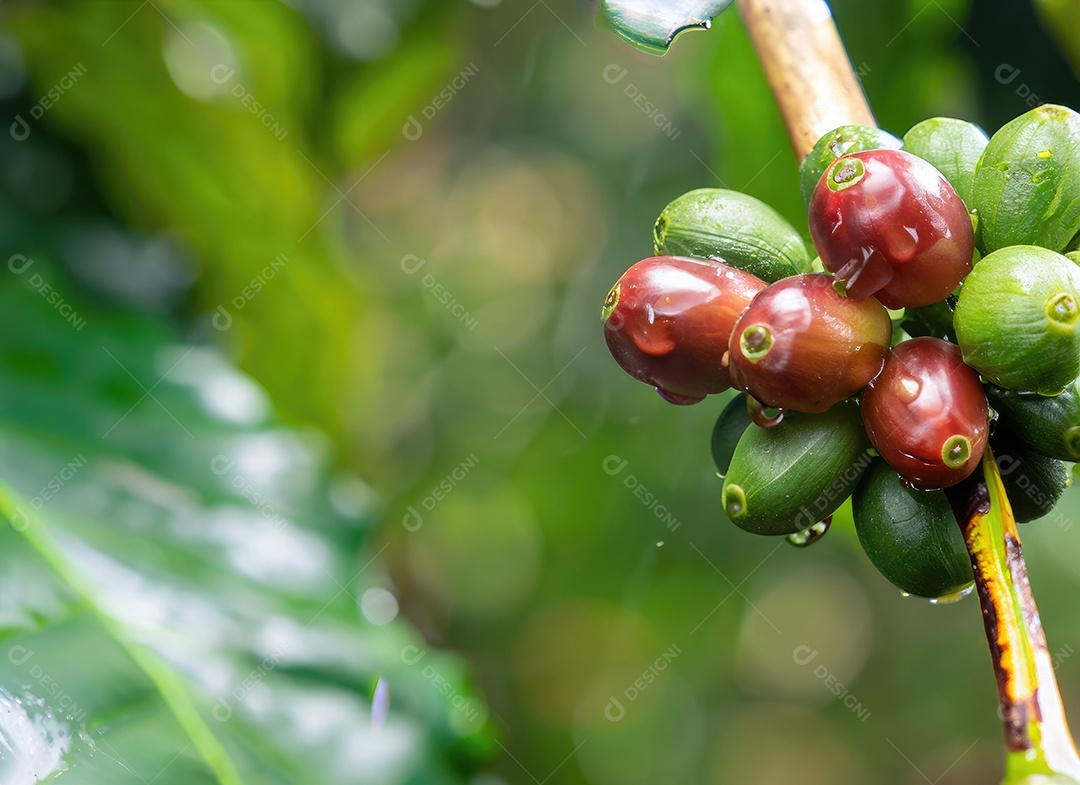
(399, 219)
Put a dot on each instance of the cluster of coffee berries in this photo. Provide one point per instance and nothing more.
(939, 318)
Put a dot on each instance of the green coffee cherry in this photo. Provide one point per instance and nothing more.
(1027, 185)
(953, 147)
(730, 426)
(910, 536)
(730, 227)
(788, 477)
(839, 142)
(1017, 316)
(1034, 482)
(1048, 425)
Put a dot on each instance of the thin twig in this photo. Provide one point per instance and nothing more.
(807, 67)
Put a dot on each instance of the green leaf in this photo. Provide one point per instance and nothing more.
(181, 576)
(651, 25)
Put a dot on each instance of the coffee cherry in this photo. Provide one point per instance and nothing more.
(1018, 319)
(840, 141)
(1033, 482)
(910, 536)
(801, 346)
(668, 320)
(926, 413)
(1050, 425)
(953, 147)
(888, 224)
(1027, 186)
(733, 228)
(786, 478)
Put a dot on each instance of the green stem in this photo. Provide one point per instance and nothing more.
(1037, 737)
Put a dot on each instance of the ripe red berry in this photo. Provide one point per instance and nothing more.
(889, 224)
(926, 413)
(801, 346)
(668, 319)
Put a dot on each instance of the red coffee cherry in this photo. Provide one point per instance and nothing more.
(926, 413)
(889, 224)
(801, 346)
(668, 319)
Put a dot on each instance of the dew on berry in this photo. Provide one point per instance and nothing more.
(811, 534)
(954, 597)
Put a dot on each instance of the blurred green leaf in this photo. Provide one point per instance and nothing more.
(1061, 18)
(186, 595)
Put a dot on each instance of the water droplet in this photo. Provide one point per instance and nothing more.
(904, 593)
(660, 544)
(810, 535)
(949, 599)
